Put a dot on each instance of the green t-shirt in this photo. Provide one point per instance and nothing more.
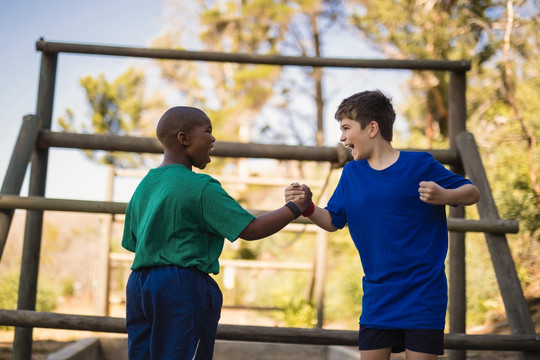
(178, 217)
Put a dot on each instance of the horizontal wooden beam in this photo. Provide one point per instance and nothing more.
(334, 154)
(172, 54)
(27, 318)
(493, 226)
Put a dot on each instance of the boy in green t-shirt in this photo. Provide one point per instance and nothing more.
(176, 223)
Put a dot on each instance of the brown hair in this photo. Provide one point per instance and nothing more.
(368, 106)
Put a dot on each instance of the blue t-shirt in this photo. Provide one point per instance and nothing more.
(402, 241)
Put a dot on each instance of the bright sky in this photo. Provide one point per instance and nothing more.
(22, 23)
(117, 22)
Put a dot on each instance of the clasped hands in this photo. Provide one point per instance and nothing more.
(299, 194)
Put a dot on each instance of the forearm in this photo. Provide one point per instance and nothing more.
(322, 218)
(267, 224)
(467, 194)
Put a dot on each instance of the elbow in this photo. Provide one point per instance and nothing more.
(473, 196)
(329, 227)
(476, 196)
(249, 235)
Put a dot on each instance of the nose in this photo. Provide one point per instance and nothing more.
(342, 137)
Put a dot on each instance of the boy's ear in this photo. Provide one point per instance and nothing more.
(183, 138)
(373, 128)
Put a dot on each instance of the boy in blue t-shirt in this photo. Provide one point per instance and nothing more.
(176, 223)
(394, 205)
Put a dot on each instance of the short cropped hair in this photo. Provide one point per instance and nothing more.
(367, 106)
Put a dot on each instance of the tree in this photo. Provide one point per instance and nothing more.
(238, 94)
(243, 97)
(499, 36)
(116, 108)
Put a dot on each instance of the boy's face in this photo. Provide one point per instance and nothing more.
(355, 138)
(201, 142)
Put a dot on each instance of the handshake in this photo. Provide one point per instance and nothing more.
(301, 196)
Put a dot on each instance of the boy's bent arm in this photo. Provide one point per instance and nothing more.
(467, 194)
(270, 223)
(322, 218)
(432, 193)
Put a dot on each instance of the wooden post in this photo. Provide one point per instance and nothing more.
(320, 274)
(22, 343)
(457, 301)
(20, 158)
(517, 311)
(103, 283)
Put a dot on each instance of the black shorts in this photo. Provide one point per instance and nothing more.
(428, 341)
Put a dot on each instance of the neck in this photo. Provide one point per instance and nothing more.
(169, 160)
(383, 157)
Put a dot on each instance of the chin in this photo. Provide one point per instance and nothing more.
(203, 165)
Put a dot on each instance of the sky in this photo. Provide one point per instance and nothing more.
(22, 23)
(109, 22)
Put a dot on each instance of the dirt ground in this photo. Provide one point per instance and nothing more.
(43, 347)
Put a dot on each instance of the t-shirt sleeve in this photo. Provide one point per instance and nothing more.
(336, 206)
(444, 177)
(128, 237)
(222, 214)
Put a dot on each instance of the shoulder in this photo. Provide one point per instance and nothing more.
(205, 178)
(354, 164)
(418, 159)
(416, 155)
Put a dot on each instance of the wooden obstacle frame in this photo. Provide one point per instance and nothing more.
(35, 139)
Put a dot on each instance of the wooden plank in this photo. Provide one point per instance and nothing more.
(517, 311)
(334, 154)
(173, 54)
(495, 226)
(457, 115)
(16, 171)
(22, 343)
(50, 320)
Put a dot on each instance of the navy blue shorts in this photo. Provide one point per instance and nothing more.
(172, 313)
(426, 341)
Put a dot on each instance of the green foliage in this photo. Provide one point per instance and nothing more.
(239, 94)
(343, 291)
(116, 108)
(9, 287)
(68, 286)
(47, 293)
(484, 302)
(502, 107)
(299, 313)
